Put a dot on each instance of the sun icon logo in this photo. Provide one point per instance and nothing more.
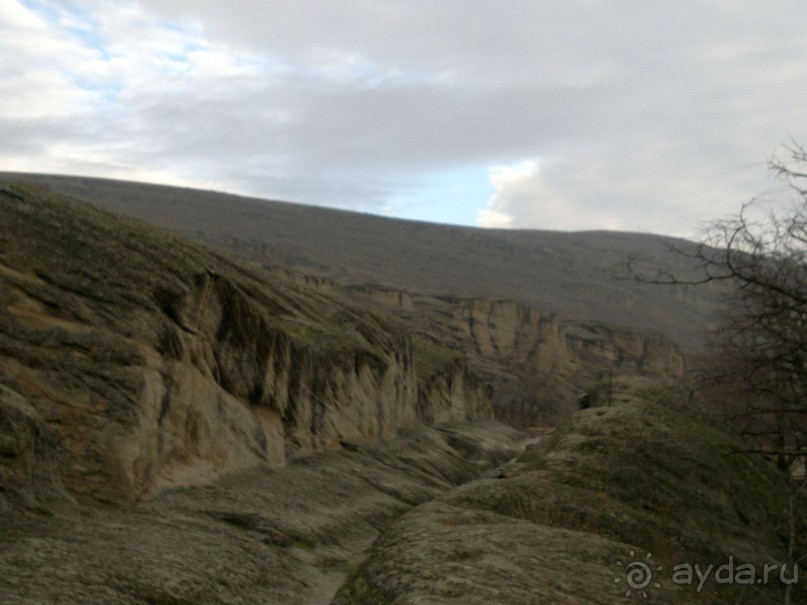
(638, 575)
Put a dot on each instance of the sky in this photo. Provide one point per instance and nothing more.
(531, 114)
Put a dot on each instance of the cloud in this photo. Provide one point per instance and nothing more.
(642, 189)
(525, 196)
(614, 114)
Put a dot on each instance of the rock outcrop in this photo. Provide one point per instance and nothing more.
(28, 475)
(522, 334)
(535, 363)
(157, 362)
(615, 503)
(263, 536)
(447, 390)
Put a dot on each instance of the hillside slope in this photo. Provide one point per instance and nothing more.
(146, 361)
(540, 315)
(578, 275)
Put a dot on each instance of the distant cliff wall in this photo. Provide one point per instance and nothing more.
(524, 335)
(448, 391)
(536, 362)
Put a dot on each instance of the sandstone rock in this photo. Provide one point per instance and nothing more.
(536, 362)
(28, 475)
(161, 363)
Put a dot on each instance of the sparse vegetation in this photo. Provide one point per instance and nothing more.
(431, 358)
(759, 364)
(756, 374)
(649, 474)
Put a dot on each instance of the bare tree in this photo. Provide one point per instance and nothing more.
(758, 360)
(761, 349)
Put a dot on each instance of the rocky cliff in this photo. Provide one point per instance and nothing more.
(536, 363)
(447, 390)
(27, 456)
(152, 362)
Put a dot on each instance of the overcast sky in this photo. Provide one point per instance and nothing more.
(572, 114)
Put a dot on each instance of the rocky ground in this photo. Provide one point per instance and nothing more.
(440, 515)
(646, 481)
(286, 535)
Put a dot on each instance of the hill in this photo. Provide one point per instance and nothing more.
(540, 315)
(577, 275)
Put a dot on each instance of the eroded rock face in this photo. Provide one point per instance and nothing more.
(630, 351)
(28, 474)
(454, 395)
(277, 390)
(159, 363)
(537, 362)
(524, 335)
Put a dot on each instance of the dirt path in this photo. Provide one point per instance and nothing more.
(327, 574)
